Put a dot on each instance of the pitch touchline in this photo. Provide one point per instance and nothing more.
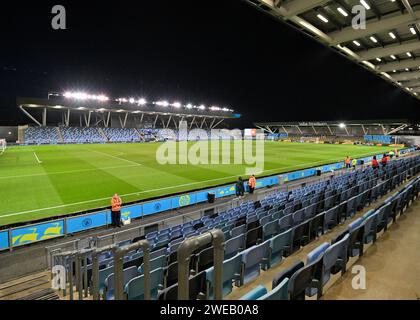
(37, 159)
(153, 190)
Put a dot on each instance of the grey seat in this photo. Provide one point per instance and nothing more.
(265, 220)
(370, 227)
(285, 223)
(234, 245)
(103, 274)
(270, 229)
(335, 259)
(128, 274)
(278, 293)
(237, 231)
(232, 272)
(355, 244)
(252, 259)
(310, 211)
(351, 207)
(382, 218)
(156, 263)
(287, 273)
(303, 279)
(135, 287)
(316, 227)
(331, 218)
(280, 246)
(157, 253)
(298, 216)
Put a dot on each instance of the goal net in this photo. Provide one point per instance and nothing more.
(3, 145)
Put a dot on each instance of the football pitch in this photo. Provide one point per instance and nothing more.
(44, 181)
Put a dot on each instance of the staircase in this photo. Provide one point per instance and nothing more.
(32, 287)
(60, 135)
(141, 136)
(103, 134)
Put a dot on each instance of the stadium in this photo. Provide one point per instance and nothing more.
(138, 197)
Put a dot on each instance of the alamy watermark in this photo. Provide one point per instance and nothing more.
(58, 21)
(58, 281)
(215, 147)
(358, 282)
(359, 19)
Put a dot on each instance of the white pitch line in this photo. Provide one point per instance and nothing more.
(158, 189)
(37, 159)
(115, 157)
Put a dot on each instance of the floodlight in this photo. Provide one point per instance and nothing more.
(162, 103)
(365, 4)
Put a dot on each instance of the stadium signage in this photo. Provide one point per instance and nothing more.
(4, 240)
(306, 124)
(38, 232)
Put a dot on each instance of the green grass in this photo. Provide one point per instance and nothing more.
(73, 178)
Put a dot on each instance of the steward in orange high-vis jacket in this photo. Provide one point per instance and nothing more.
(116, 210)
(251, 184)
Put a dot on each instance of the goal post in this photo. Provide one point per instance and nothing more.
(3, 145)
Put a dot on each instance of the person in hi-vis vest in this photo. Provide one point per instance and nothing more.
(116, 211)
(251, 184)
(347, 162)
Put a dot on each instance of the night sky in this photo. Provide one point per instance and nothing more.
(218, 52)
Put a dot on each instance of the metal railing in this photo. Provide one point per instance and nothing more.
(118, 268)
(216, 238)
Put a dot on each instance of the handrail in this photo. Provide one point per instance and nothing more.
(217, 238)
(118, 267)
(95, 269)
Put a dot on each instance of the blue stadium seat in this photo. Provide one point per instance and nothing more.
(252, 260)
(278, 293)
(135, 287)
(234, 245)
(156, 263)
(128, 274)
(232, 272)
(255, 293)
(280, 246)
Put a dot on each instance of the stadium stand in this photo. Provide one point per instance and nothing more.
(81, 135)
(41, 135)
(54, 135)
(252, 247)
(121, 135)
(149, 135)
(383, 139)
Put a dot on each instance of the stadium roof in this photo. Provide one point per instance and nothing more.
(103, 105)
(389, 45)
(336, 123)
(394, 126)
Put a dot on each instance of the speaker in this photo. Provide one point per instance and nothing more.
(211, 197)
(318, 172)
